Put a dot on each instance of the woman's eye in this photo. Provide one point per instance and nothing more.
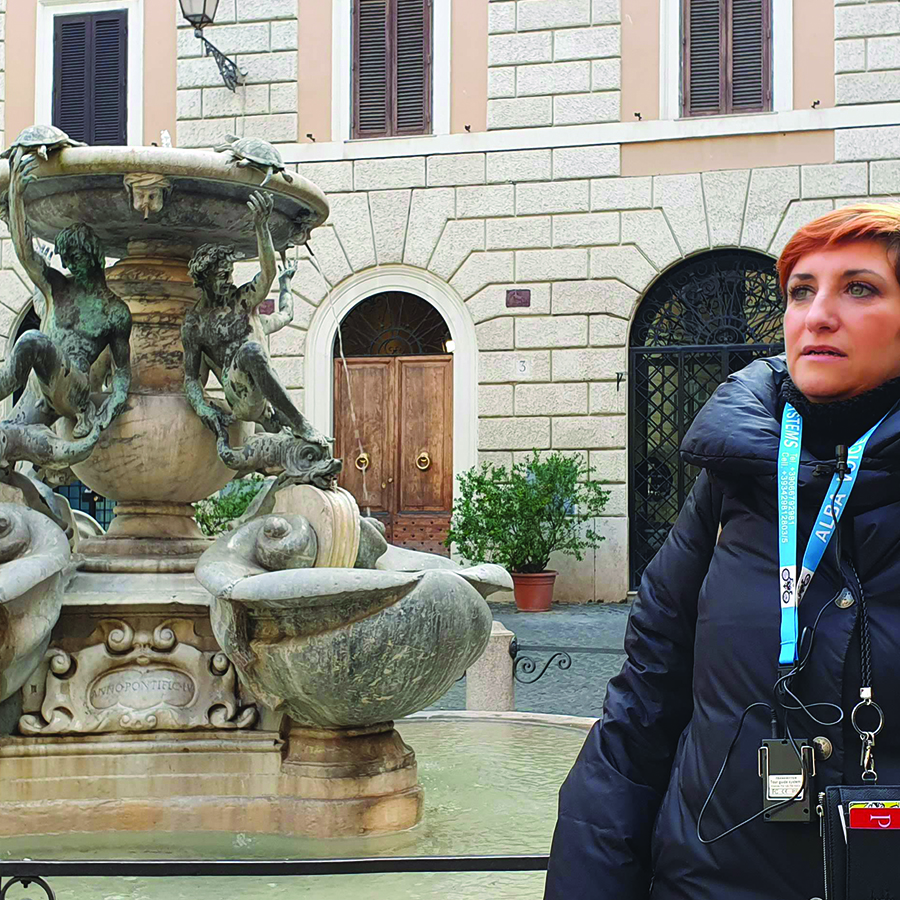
(859, 289)
(800, 292)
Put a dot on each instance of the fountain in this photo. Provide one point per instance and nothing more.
(153, 680)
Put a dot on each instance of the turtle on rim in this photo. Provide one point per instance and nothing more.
(256, 152)
(43, 139)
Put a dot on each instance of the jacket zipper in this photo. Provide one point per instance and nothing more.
(820, 812)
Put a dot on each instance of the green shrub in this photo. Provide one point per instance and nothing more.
(214, 514)
(518, 517)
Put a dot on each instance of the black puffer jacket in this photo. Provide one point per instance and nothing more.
(702, 645)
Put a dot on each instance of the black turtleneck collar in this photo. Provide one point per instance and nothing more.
(842, 421)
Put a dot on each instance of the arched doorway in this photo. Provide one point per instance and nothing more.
(393, 415)
(702, 320)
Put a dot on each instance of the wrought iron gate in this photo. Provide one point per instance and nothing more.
(703, 320)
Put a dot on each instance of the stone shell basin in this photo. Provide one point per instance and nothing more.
(202, 198)
(345, 648)
(34, 555)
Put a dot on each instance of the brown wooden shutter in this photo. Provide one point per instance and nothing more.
(413, 67)
(110, 48)
(371, 70)
(704, 30)
(90, 86)
(749, 55)
(726, 56)
(391, 67)
(71, 76)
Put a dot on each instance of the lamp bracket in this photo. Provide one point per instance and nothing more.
(228, 68)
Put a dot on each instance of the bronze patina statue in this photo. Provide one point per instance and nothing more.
(226, 331)
(81, 319)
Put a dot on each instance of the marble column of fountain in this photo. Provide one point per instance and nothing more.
(259, 694)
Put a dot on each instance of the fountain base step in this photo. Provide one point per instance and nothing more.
(215, 781)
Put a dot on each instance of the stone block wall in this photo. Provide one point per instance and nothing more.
(587, 243)
(866, 51)
(261, 35)
(553, 62)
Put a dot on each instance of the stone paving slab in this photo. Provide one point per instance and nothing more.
(578, 691)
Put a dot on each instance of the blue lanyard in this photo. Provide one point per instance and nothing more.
(791, 588)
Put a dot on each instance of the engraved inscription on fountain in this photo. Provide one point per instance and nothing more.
(134, 679)
(142, 689)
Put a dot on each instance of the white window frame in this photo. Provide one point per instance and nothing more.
(342, 64)
(670, 57)
(47, 11)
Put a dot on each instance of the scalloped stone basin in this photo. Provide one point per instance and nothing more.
(203, 199)
(491, 784)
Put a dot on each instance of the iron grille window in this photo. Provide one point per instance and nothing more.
(706, 318)
(393, 323)
(726, 56)
(90, 55)
(391, 67)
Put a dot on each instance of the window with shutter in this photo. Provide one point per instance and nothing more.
(726, 57)
(391, 67)
(90, 76)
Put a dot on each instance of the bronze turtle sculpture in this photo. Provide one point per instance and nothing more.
(256, 152)
(43, 139)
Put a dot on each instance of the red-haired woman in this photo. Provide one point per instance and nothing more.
(795, 603)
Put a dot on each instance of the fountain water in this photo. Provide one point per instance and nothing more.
(244, 685)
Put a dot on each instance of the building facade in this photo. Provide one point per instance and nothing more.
(590, 193)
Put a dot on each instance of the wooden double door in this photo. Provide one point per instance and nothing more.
(403, 474)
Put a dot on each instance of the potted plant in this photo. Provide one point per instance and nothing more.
(518, 517)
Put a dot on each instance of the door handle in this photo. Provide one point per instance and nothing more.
(423, 461)
(362, 462)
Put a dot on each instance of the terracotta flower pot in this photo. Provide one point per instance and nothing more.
(534, 591)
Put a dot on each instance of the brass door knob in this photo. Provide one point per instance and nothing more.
(423, 461)
(362, 462)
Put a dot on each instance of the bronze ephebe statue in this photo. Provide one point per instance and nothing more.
(81, 320)
(225, 331)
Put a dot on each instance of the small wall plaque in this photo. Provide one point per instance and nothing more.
(518, 297)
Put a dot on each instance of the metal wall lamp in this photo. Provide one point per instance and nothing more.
(201, 13)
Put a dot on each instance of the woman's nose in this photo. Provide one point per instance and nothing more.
(824, 312)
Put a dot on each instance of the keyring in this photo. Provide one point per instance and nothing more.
(862, 732)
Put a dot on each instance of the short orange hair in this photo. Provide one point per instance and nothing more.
(863, 222)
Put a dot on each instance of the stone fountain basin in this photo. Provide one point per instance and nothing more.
(351, 658)
(205, 202)
(491, 782)
(31, 592)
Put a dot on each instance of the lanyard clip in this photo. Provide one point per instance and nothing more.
(785, 674)
(867, 758)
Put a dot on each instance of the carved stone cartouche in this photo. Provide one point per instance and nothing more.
(132, 679)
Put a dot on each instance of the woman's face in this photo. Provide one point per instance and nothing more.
(842, 321)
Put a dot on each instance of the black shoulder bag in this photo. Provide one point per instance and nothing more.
(861, 823)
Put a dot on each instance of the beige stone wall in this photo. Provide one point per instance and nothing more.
(867, 51)
(553, 62)
(588, 242)
(262, 36)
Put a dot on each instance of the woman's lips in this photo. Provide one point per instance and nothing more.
(823, 353)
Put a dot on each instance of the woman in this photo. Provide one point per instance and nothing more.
(704, 637)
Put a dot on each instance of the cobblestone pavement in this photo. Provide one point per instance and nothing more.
(577, 691)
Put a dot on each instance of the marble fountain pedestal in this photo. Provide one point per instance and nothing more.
(261, 697)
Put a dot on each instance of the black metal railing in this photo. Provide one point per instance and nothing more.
(525, 666)
(28, 872)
